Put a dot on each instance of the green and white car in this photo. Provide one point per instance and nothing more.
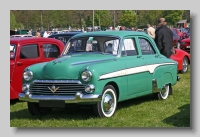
(99, 69)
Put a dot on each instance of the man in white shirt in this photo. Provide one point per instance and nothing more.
(46, 34)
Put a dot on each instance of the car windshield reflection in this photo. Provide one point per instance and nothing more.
(12, 51)
(92, 44)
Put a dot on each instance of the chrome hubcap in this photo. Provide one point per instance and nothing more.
(185, 65)
(164, 92)
(108, 103)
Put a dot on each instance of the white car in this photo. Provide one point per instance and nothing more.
(24, 35)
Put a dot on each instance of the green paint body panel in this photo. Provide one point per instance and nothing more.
(127, 85)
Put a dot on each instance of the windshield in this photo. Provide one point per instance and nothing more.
(92, 44)
(12, 51)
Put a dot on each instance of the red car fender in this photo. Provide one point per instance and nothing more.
(178, 56)
(13, 93)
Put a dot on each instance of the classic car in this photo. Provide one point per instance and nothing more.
(176, 39)
(28, 51)
(23, 35)
(185, 44)
(99, 69)
(183, 59)
(178, 32)
(185, 31)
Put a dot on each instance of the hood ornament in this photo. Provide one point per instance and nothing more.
(53, 88)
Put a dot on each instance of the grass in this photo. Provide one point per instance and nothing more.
(134, 113)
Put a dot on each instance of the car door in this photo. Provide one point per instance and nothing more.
(50, 50)
(150, 57)
(27, 54)
(135, 67)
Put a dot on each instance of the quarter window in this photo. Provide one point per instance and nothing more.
(29, 51)
(146, 47)
(51, 51)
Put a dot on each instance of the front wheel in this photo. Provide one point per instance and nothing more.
(107, 106)
(34, 109)
(185, 65)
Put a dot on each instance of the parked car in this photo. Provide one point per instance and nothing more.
(183, 59)
(64, 37)
(23, 35)
(99, 69)
(185, 44)
(176, 39)
(178, 32)
(28, 51)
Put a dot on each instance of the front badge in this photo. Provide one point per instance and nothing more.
(53, 88)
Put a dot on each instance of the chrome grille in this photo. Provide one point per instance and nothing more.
(66, 87)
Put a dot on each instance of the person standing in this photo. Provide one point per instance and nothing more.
(164, 38)
(46, 34)
(38, 34)
(150, 31)
(132, 29)
(30, 32)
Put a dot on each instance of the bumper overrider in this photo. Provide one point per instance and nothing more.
(78, 98)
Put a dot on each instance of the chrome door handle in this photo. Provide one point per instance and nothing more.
(19, 63)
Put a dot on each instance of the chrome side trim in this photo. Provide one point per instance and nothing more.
(78, 98)
(134, 70)
(91, 61)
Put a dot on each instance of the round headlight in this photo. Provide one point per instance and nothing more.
(86, 75)
(28, 75)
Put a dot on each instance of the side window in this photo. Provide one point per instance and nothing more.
(51, 51)
(111, 46)
(129, 47)
(29, 51)
(146, 47)
(76, 45)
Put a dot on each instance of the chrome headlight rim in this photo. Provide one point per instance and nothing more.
(86, 75)
(28, 75)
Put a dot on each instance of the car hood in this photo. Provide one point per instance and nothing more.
(70, 67)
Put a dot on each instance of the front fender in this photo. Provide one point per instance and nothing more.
(13, 93)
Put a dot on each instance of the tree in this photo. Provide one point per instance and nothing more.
(13, 23)
(128, 18)
(186, 15)
(172, 16)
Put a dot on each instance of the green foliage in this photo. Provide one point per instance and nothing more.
(128, 18)
(13, 22)
(172, 16)
(75, 18)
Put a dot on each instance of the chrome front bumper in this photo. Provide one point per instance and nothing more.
(78, 98)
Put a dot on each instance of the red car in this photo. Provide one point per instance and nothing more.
(176, 39)
(185, 44)
(183, 59)
(177, 31)
(27, 51)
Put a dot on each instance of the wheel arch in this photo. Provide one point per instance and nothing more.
(114, 84)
